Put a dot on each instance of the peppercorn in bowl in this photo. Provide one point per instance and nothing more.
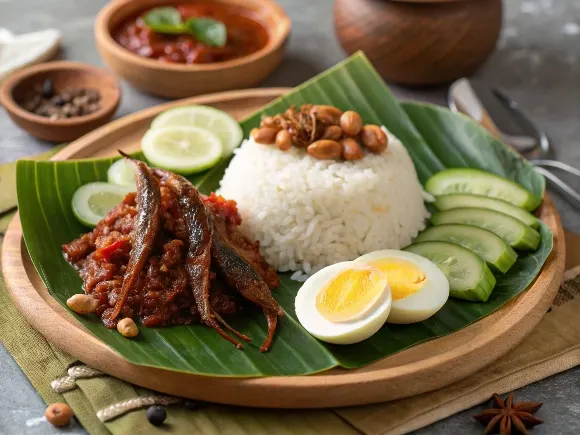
(60, 101)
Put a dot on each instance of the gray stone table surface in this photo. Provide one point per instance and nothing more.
(537, 62)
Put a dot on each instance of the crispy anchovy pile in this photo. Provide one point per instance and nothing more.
(207, 242)
(146, 231)
(301, 124)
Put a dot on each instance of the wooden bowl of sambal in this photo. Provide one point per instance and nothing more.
(182, 48)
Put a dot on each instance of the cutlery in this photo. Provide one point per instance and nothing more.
(504, 119)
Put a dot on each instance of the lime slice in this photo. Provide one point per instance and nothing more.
(92, 202)
(218, 122)
(122, 173)
(185, 150)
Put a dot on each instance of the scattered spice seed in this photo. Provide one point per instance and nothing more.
(156, 415)
(46, 101)
(507, 417)
(58, 414)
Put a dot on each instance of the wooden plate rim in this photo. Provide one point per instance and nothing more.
(337, 387)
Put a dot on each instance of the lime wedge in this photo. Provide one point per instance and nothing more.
(92, 202)
(218, 122)
(184, 150)
(121, 173)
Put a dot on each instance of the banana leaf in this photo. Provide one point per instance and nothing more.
(435, 138)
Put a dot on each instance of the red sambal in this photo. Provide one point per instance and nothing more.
(245, 36)
(168, 255)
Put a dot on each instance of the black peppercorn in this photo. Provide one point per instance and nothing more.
(156, 415)
(47, 88)
(58, 101)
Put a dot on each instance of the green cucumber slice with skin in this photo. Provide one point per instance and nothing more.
(487, 245)
(122, 173)
(478, 182)
(468, 275)
(460, 200)
(511, 230)
(91, 202)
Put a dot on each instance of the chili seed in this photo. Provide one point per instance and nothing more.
(156, 415)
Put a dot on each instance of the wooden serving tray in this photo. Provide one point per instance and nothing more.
(422, 368)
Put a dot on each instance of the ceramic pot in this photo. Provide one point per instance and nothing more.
(420, 42)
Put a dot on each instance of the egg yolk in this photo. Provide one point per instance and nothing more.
(351, 293)
(405, 278)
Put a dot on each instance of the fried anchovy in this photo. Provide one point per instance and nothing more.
(198, 256)
(146, 231)
(240, 275)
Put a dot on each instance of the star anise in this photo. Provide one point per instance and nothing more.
(507, 416)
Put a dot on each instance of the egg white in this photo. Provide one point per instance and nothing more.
(426, 301)
(356, 330)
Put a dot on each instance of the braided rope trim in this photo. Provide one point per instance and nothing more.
(122, 408)
(570, 274)
(68, 383)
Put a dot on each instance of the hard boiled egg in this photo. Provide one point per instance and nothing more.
(418, 288)
(344, 303)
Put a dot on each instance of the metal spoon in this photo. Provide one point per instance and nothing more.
(504, 119)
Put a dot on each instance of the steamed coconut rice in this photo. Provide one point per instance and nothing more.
(308, 213)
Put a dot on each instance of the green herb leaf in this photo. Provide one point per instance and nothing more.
(208, 31)
(164, 20)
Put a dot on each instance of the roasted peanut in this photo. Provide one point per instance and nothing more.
(374, 138)
(332, 132)
(265, 135)
(267, 121)
(351, 123)
(283, 140)
(127, 327)
(325, 149)
(58, 414)
(327, 114)
(82, 304)
(351, 150)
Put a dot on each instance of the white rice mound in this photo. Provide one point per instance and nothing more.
(309, 213)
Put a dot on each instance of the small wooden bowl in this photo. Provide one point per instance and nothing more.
(420, 42)
(180, 80)
(65, 75)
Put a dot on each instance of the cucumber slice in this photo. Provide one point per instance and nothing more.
(458, 200)
(121, 173)
(91, 202)
(477, 182)
(218, 122)
(468, 275)
(511, 230)
(185, 150)
(488, 246)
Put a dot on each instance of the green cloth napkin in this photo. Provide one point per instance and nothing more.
(42, 363)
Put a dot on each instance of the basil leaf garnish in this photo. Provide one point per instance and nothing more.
(165, 20)
(208, 31)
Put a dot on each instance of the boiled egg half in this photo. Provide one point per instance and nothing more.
(344, 303)
(418, 288)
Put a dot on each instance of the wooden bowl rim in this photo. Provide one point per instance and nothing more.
(105, 39)
(7, 99)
